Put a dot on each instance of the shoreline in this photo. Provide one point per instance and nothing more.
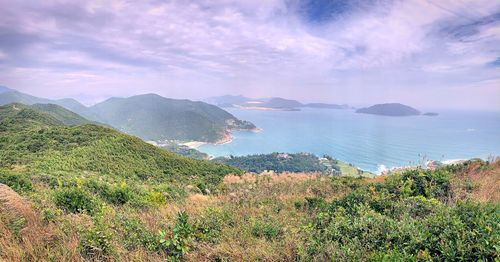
(226, 139)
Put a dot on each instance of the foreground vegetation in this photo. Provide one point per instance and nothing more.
(76, 193)
(450, 214)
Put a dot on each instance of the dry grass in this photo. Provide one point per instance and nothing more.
(479, 182)
(25, 237)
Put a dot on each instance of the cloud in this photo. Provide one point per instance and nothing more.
(338, 49)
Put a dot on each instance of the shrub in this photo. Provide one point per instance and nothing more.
(177, 240)
(211, 222)
(96, 245)
(134, 234)
(18, 182)
(266, 229)
(76, 200)
(117, 195)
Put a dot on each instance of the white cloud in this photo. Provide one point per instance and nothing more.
(264, 48)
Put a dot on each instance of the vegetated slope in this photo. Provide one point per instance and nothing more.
(153, 117)
(40, 141)
(389, 109)
(150, 117)
(62, 114)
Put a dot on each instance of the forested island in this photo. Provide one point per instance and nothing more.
(389, 109)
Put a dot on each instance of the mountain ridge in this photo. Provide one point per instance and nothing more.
(276, 103)
(149, 116)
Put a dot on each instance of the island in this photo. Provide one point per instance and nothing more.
(431, 114)
(389, 109)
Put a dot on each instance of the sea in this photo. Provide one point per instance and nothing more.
(372, 142)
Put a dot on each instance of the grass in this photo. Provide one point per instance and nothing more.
(350, 170)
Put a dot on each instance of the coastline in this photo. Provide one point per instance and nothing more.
(226, 139)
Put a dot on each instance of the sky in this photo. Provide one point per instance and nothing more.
(428, 54)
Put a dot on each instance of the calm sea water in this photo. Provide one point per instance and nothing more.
(369, 141)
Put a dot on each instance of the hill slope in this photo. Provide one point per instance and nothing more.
(153, 117)
(40, 141)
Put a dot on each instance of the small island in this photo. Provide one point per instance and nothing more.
(389, 109)
(431, 114)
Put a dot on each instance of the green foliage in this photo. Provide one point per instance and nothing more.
(97, 243)
(134, 234)
(177, 240)
(117, 195)
(184, 150)
(210, 224)
(18, 182)
(278, 162)
(76, 200)
(266, 229)
(403, 219)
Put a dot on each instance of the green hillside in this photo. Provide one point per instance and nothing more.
(153, 117)
(42, 141)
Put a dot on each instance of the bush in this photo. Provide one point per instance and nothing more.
(97, 244)
(211, 222)
(266, 229)
(18, 182)
(117, 195)
(177, 240)
(402, 219)
(76, 200)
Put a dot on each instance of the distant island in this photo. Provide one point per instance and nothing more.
(431, 114)
(273, 103)
(389, 109)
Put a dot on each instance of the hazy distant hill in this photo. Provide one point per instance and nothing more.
(327, 106)
(153, 117)
(389, 109)
(274, 103)
(8, 96)
(278, 102)
(4, 89)
(227, 100)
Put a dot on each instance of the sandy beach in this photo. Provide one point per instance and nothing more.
(194, 144)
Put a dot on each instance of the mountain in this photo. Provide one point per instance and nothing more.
(44, 142)
(327, 106)
(389, 109)
(276, 103)
(153, 117)
(150, 117)
(227, 100)
(4, 89)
